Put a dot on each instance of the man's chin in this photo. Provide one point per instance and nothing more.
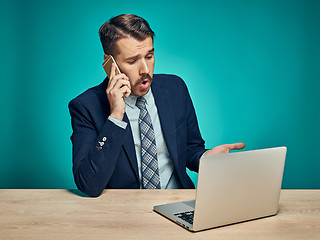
(140, 92)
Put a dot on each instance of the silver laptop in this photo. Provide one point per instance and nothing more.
(232, 188)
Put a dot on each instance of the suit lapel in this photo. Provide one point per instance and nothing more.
(166, 116)
(129, 148)
(167, 120)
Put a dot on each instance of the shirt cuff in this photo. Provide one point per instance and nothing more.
(121, 124)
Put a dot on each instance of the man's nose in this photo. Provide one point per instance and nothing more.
(144, 69)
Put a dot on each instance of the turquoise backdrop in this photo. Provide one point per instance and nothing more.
(252, 69)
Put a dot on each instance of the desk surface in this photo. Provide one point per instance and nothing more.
(127, 214)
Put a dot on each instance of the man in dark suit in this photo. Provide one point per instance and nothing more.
(136, 129)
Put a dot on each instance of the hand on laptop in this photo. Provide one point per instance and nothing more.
(225, 148)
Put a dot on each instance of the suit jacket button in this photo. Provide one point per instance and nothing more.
(104, 139)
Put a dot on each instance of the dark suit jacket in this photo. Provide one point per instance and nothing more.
(114, 165)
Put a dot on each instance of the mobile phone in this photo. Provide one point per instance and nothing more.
(107, 65)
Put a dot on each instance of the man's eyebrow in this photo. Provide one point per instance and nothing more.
(138, 55)
(129, 58)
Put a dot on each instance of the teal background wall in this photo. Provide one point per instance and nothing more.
(252, 68)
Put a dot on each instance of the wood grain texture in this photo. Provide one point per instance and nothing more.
(127, 214)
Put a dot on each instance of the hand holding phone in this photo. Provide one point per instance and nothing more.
(118, 88)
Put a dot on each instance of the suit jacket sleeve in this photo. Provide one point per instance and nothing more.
(195, 143)
(93, 164)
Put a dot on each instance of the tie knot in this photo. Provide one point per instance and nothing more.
(141, 102)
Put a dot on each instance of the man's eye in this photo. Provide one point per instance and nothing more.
(132, 62)
(149, 57)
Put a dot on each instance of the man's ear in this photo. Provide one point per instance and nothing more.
(105, 56)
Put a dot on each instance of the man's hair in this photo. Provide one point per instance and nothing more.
(123, 26)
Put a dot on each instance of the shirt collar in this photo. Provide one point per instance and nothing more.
(131, 100)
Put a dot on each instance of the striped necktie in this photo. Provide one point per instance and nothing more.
(149, 161)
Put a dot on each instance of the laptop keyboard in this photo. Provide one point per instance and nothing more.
(186, 216)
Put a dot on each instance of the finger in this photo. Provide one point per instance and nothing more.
(111, 78)
(118, 93)
(125, 91)
(235, 146)
(115, 79)
(121, 83)
(112, 71)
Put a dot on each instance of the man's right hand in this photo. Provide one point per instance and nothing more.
(118, 86)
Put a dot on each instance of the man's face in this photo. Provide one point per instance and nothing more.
(136, 60)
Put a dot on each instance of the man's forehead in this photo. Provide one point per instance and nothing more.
(129, 47)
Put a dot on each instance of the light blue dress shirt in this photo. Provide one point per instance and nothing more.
(167, 178)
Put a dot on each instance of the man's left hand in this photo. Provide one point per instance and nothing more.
(225, 148)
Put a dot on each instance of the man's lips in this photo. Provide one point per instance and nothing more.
(145, 84)
(145, 81)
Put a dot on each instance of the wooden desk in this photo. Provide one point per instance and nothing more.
(127, 214)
